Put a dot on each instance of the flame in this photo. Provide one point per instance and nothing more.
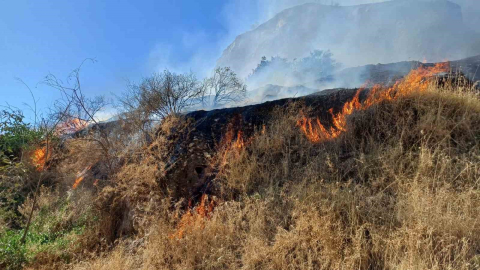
(416, 81)
(77, 182)
(70, 126)
(233, 142)
(196, 217)
(233, 139)
(239, 143)
(80, 177)
(39, 157)
(96, 182)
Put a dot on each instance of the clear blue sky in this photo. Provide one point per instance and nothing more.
(129, 39)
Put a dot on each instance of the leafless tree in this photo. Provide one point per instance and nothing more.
(47, 126)
(155, 98)
(163, 94)
(223, 87)
(82, 107)
(73, 105)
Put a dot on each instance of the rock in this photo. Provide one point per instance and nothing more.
(386, 32)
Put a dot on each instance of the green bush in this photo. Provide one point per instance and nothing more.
(56, 225)
(15, 134)
(15, 137)
(12, 252)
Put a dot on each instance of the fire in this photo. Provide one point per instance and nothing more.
(77, 182)
(416, 81)
(196, 217)
(70, 126)
(232, 143)
(233, 139)
(80, 177)
(40, 157)
(239, 143)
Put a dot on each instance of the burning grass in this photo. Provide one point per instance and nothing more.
(196, 218)
(417, 81)
(80, 177)
(398, 189)
(391, 183)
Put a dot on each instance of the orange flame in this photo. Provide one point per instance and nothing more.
(96, 182)
(80, 177)
(415, 81)
(70, 126)
(40, 157)
(77, 182)
(195, 218)
(232, 143)
(239, 143)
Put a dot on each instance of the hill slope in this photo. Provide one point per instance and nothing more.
(380, 178)
(398, 189)
(358, 35)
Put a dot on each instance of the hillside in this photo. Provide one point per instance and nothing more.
(368, 184)
(328, 137)
(370, 178)
(358, 35)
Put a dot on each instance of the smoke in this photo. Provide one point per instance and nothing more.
(264, 10)
(392, 31)
(244, 16)
(237, 17)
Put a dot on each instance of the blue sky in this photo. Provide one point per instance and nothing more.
(129, 39)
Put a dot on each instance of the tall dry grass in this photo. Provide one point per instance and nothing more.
(398, 190)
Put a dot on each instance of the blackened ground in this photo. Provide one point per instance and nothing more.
(212, 125)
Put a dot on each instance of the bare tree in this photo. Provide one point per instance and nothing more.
(48, 127)
(155, 98)
(73, 105)
(163, 94)
(223, 87)
(82, 107)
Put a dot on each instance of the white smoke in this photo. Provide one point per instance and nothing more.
(357, 35)
(241, 16)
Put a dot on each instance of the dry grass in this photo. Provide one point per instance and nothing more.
(398, 190)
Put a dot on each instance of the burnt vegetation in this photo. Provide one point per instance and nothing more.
(384, 177)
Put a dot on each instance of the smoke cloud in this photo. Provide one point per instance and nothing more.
(254, 12)
(240, 17)
(385, 32)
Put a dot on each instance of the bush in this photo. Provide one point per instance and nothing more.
(53, 237)
(13, 255)
(16, 139)
(15, 134)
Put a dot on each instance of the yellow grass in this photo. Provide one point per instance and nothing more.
(398, 190)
